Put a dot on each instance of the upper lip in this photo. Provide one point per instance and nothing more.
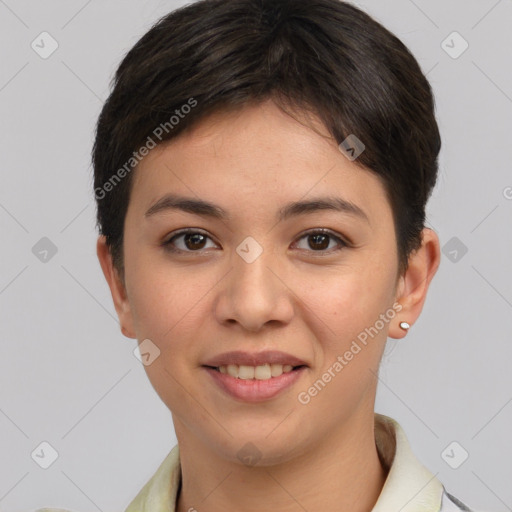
(240, 357)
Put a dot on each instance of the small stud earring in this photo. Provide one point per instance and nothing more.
(404, 326)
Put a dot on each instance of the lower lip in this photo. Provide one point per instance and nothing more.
(253, 390)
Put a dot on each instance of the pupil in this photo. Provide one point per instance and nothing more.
(195, 238)
(316, 241)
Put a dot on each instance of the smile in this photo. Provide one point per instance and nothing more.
(254, 383)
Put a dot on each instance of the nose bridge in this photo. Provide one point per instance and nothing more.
(251, 266)
(252, 279)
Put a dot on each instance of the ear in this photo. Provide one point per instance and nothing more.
(117, 288)
(413, 285)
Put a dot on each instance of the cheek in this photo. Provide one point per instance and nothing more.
(344, 315)
(347, 301)
(168, 307)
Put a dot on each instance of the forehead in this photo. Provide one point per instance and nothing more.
(258, 150)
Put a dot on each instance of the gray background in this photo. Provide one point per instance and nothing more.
(68, 375)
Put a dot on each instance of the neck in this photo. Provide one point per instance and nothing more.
(342, 473)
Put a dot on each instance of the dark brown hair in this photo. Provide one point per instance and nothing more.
(325, 57)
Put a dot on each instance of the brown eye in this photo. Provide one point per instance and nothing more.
(194, 241)
(320, 240)
(189, 241)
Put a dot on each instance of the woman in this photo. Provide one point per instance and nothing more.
(262, 169)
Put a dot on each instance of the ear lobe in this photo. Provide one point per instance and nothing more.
(413, 287)
(117, 288)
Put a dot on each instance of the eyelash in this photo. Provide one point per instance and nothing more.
(169, 247)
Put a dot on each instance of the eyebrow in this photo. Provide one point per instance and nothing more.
(207, 209)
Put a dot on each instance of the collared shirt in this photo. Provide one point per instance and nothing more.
(409, 486)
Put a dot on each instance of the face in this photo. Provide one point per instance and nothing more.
(261, 268)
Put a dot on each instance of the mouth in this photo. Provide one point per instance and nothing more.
(255, 384)
(265, 371)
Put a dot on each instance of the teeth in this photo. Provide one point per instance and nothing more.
(246, 372)
(262, 372)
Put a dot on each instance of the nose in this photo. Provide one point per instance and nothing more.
(254, 294)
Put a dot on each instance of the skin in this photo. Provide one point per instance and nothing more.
(295, 297)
